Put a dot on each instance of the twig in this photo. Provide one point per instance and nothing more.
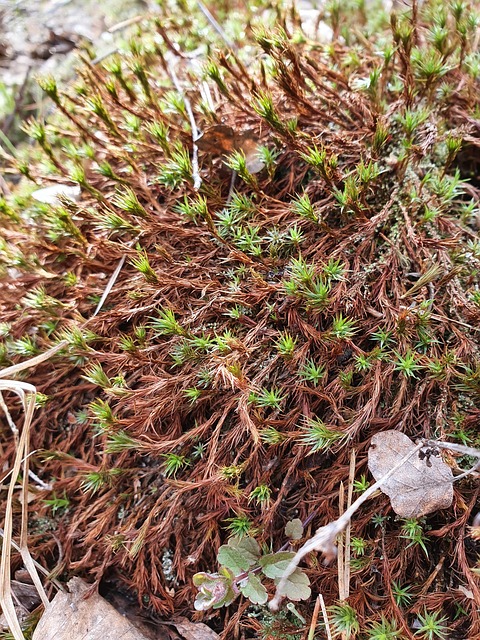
(348, 530)
(325, 616)
(341, 546)
(197, 180)
(111, 282)
(313, 622)
(126, 23)
(215, 25)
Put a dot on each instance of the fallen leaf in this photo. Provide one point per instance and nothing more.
(222, 140)
(194, 630)
(217, 140)
(26, 594)
(468, 593)
(72, 616)
(418, 487)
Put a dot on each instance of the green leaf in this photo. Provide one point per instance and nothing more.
(233, 559)
(247, 546)
(274, 564)
(215, 589)
(297, 586)
(254, 590)
(294, 529)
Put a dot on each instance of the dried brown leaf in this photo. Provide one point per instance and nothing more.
(194, 630)
(72, 615)
(419, 486)
(222, 139)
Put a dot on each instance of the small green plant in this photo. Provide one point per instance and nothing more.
(231, 472)
(302, 206)
(334, 270)
(127, 343)
(318, 436)
(362, 363)
(269, 398)
(272, 436)
(97, 376)
(240, 525)
(243, 568)
(38, 298)
(192, 394)
(269, 158)
(343, 328)
(358, 545)
(384, 337)
(402, 595)
(311, 372)
(142, 264)
(24, 346)
(237, 161)
(57, 503)
(407, 364)
(322, 160)
(97, 480)
(118, 441)
(361, 484)
(378, 520)
(344, 620)
(103, 413)
(384, 630)
(166, 324)
(263, 105)
(412, 530)
(286, 345)
(127, 201)
(295, 235)
(411, 120)
(177, 169)
(432, 626)
(260, 495)
(174, 463)
(317, 294)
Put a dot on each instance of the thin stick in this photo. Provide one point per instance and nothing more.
(126, 23)
(325, 617)
(313, 623)
(348, 530)
(215, 25)
(197, 180)
(111, 282)
(340, 546)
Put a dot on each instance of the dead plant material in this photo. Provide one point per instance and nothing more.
(255, 334)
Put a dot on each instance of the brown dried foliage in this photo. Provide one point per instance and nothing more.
(126, 527)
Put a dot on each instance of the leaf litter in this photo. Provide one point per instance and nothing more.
(418, 487)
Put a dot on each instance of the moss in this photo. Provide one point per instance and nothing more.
(352, 244)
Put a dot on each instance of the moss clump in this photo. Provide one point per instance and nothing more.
(260, 326)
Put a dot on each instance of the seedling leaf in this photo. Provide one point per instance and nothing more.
(214, 589)
(254, 590)
(297, 586)
(233, 559)
(294, 529)
(274, 564)
(247, 546)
